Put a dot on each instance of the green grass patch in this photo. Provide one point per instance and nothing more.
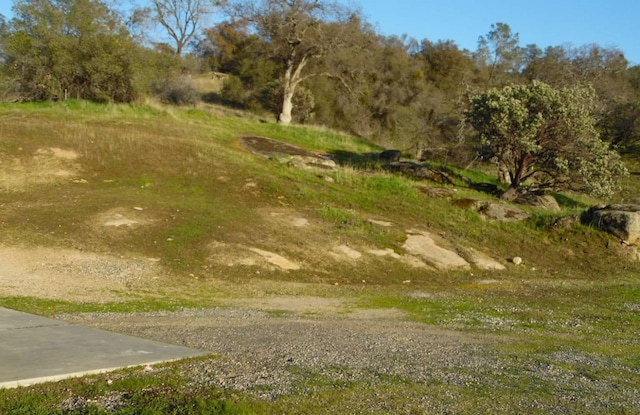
(127, 392)
(52, 308)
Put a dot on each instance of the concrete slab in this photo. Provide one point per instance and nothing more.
(36, 349)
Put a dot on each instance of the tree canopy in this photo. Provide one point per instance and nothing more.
(546, 136)
(78, 48)
(297, 32)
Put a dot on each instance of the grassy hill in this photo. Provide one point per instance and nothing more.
(200, 203)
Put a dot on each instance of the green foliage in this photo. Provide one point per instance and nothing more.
(499, 54)
(75, 48)
(620, 125)
(547, 136)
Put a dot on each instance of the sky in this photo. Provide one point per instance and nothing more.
(609, 23)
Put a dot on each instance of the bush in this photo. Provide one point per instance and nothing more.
(233, 92)
(178, 91)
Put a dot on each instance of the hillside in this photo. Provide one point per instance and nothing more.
(146, 208)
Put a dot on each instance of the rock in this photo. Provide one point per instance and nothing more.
(312, 162)
(503, 212)
(565, 222)
(122, 221)
(348, 252)
(496, 211)
(288, 153)
(385, 252)
(622, 221)
(422, 244)
(437, 192)
(481, 260)
(470, 204)
(382, 223)
(545, 202)
(277, 260)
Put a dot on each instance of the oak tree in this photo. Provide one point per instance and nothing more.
(75, 47)
(545, 136)
(180, 19)
(297, 33)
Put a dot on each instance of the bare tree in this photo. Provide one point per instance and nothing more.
(180, 18)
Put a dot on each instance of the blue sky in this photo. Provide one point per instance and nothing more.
(609, 23)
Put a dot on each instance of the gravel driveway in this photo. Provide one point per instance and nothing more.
(257, 350)
(272, 354)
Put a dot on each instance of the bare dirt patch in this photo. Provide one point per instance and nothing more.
(45, 166)
(72, 275)
(121, 217)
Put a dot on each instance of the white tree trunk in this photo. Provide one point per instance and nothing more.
(292, 77)
(287, 105)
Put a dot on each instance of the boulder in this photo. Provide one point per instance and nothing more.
(312, 162)
(495, 211)
(423, 245)
(545, 202)
(503, 212)
(622, 221)
(437, 192)
(470, 204)
(481, 260)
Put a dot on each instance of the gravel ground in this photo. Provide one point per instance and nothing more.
(271, 355)
(257, 351)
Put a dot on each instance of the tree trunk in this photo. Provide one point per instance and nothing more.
(516, 178)
(287, 104)
(292, 77)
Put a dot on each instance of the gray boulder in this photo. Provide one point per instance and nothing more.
(545, 202)
(504, 213)
(495, 211)
(622, 221)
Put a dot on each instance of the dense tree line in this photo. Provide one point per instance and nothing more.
(304, 61)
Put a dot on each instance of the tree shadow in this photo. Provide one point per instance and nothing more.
(364, 161)
(215, 98)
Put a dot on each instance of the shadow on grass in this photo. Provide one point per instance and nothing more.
(414, 170)
(364, 161)
(568, 202)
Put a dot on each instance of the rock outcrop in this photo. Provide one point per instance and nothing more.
(622, 221)
(423, 245)
(496, 211)
(544, 202)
